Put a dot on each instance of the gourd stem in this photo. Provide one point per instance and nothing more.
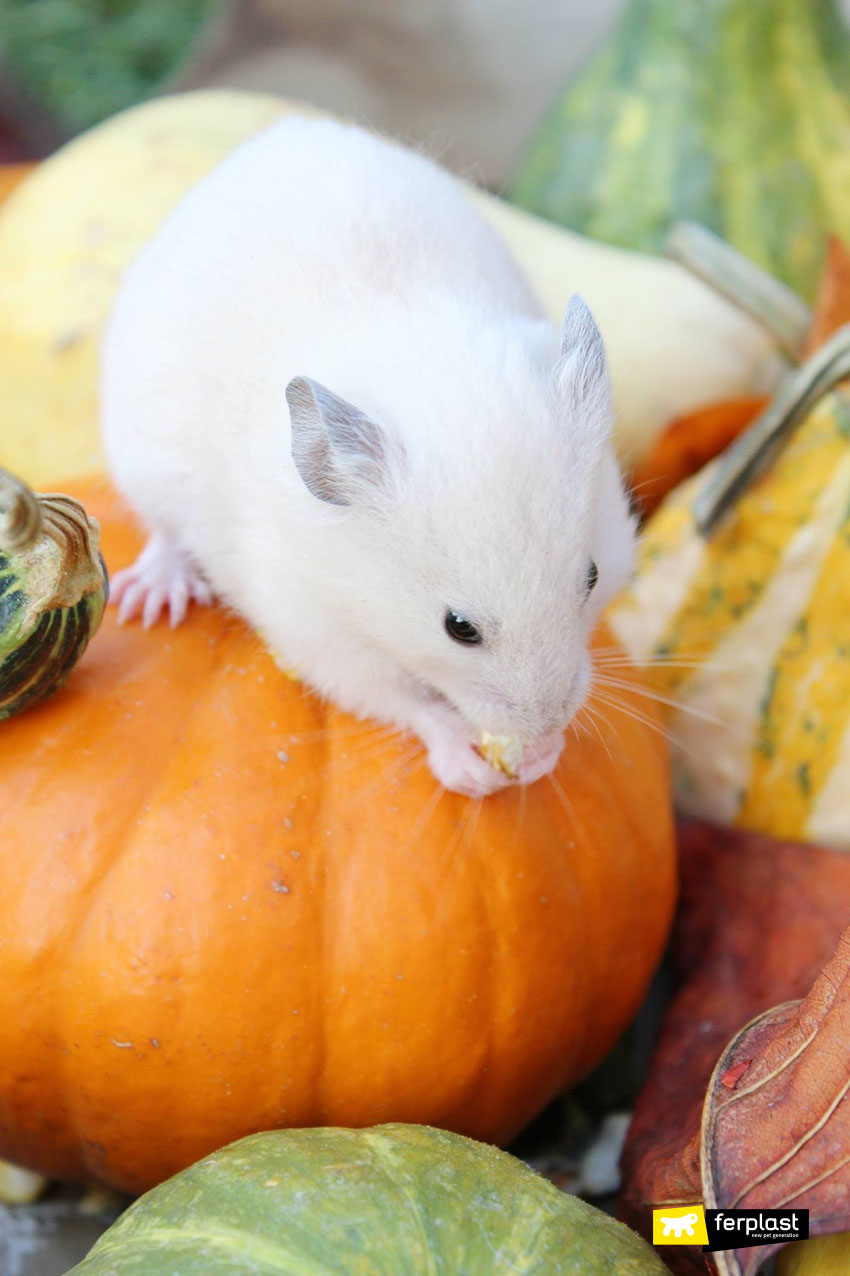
(753, 450)
(20, 513)
(771, 303)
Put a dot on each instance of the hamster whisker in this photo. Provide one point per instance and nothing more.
(378, 748)
(623, 684)
(659, 663)
(334, 733)
(424, 818)
(591, 722)
(681, 660)
(561, 794)
(666, 733)
(470, 827)
(631, 712)
(393, 772)
(639, 487)
(521, 808)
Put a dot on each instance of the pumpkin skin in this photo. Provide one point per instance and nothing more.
(733, 113)
(210, 927)
(761, 734)
(395, 1199)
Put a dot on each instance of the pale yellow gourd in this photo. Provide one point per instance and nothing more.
(822, 1256)
(69, 231)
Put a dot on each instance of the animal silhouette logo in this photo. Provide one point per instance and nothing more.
(679, 1225)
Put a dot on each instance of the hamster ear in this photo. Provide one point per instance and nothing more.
(582, 370)
(335, 447)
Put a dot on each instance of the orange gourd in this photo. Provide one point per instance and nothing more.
(226, 907)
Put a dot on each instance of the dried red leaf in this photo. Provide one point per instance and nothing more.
(757, 922)
(832, 307)
(783, 1140)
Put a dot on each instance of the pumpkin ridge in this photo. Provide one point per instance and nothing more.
(322, 946)
(74, 935)
(586, 948)
(495, 986)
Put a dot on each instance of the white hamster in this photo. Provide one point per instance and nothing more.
(330, 394)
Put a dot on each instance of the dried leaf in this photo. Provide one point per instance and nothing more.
(832, 308)
(781, 1137)
(757, 922)
(688, 444)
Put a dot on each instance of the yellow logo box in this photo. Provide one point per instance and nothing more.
(679, 1225)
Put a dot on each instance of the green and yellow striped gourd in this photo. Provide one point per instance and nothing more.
(747, 627)
(732, 113)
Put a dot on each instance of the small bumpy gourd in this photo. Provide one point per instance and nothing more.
(53, 589)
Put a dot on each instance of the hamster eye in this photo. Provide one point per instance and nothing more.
(592, 576)
(461, 629)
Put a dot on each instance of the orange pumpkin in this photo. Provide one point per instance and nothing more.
(225, 906)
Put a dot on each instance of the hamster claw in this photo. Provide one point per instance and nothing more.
(161, 579)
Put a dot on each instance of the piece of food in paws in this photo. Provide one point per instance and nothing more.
(53, 589)
(503, 752)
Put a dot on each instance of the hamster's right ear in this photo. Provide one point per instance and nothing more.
(336, 448)
(582, 373)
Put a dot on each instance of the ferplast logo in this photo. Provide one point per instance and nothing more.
(715, 1229)
(679, 1225)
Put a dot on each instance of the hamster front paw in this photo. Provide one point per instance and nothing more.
(455, 763)
(452, 756)
(162, 578)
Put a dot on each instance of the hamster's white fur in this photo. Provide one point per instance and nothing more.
(330, 393)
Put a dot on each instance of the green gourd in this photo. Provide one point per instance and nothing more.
(732, 113)
(394, 1200)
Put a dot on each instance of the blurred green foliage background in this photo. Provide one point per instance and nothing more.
(81, 60)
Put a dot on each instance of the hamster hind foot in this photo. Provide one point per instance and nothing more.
(161, 579)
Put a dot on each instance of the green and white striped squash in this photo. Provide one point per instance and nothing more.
(53, 589)
(394, 1200)
(731, 113)
(747, 632)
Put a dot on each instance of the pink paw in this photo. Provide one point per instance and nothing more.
(540, 756)
(455, 763)
(160, 579)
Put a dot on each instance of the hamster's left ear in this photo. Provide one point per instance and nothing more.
(581, 374)
(338, 451)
